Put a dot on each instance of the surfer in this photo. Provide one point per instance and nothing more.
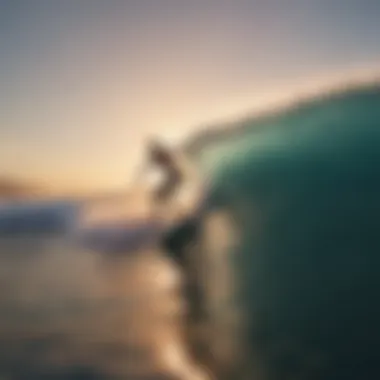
(183, 230)
(177, 177)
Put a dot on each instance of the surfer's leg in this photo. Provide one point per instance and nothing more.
(178, 239)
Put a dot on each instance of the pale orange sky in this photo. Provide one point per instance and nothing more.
(84, 83)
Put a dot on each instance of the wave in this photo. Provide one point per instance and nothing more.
(113, 230)
(301, 188)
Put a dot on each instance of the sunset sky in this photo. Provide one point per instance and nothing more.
(84, 82)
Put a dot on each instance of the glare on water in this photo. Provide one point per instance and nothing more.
(67, 313)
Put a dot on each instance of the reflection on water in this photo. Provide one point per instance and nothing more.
(73, 314)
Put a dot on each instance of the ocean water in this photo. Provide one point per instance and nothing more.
(71, 313)
(301, 188)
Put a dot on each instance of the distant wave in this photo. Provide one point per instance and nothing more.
(68, 218)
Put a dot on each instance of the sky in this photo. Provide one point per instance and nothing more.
(84, 83)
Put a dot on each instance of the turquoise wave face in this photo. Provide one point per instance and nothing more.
(303, 189)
